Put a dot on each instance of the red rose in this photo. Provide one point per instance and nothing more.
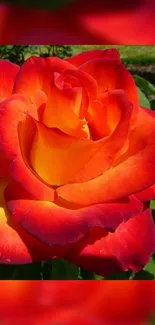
(77, 155)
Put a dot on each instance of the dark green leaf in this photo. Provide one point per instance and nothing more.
(120, 276)
(150, 267)
(144, 275)
(144, 102)
(145, 85)
(98, 277)
(86, 275)
(63, 270)
(152, 204)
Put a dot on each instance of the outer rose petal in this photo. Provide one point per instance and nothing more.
(129, 247)
(55, 225)
(4, 166)
(79, 59)
(36, 73)
(116, 182)
(13, 111)
(8, 72)
(147, 195)
(16, 245)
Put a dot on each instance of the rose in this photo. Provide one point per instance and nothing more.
(79, 22)
(77, 163)
(84, 302)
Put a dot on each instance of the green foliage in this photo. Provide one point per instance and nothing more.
(41, 4)
(63, 270)
(144, 85)
(144, 102)
(152, 204)
(18, 54)
(146, 91)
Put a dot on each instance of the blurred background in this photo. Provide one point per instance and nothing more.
(77, 22)
(46, 4)
(78, 303)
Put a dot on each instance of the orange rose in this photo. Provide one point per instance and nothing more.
(80, 302)
(77, 155)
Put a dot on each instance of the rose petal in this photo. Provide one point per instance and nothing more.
(16, 245)
(110, 75)
(81, 58)
(60, 150)
(119, 180)
(115, 183)
(112, 146)
(60, 110)
(147, 195)
(4, 166)
(56, 225)
(8, 72)
(36, 74)
(13, 111)
(95, 157)
(129, 247)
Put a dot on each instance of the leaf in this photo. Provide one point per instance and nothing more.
(144, 85)
(120, 276)
(150, 267)
(152, 204)
(144, 275)
(86, 275)
(144, 102)
(60, 269)
(98, 277)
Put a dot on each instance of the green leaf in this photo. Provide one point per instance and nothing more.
(152, 204)
(61, 269)
(120, 276)
(86, 275)
(144, 102)
(144, 275)
(150, 267)
(98, 277)
(144, 85)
